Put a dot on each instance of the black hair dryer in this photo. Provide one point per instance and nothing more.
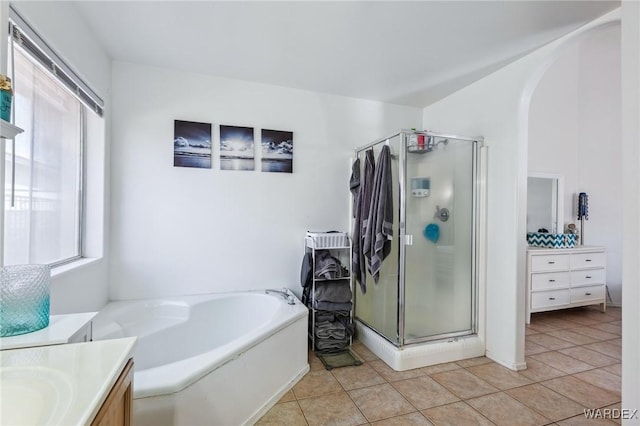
(583, 213)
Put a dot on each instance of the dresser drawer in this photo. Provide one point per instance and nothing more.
(588, 260)
(550, 280)
(588, 276)
(543, 299)
(550, 262)
(585, 294)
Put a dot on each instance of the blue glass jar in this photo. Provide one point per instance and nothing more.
(6, 94)
(24, 298)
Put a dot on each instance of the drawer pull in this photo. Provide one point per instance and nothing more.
(552, 281)
(587, 260)
(552, 298)
(588, 277)
(587, 294)
(551, 262)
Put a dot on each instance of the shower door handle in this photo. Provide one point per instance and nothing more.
(408, 240)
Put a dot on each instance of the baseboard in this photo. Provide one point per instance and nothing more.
(515, 366)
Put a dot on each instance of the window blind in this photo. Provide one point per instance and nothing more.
(24, 36)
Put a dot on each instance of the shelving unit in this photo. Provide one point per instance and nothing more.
(8, 130)
(331, 252)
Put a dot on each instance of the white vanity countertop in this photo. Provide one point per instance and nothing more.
(60, 330)
(59, 384)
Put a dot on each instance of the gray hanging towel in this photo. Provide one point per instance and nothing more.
(362, 213)
(377, 239)
(354, 184)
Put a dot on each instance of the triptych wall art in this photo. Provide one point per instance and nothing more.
(192, 147)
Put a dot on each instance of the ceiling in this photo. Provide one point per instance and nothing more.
(409, 53)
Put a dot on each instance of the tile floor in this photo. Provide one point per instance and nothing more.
(573, 358)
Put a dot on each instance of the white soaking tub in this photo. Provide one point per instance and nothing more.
(221, 359)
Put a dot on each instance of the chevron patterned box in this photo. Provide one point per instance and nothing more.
(538, 239)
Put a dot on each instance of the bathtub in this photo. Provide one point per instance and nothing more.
(222, 359)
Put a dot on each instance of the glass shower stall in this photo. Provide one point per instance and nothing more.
(428, 286)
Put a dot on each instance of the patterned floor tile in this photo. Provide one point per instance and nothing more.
(548, 341)
(463, 384)
(499, 376)
(380, 402)
(331, 409)
(602, 379)
(502, 409)
(562, 362)
(412, 419)
(606, 348)
(538, 371)
(286, 413)
(589, 356)
(573, 364)
(550, 404)
(316, 382)
(456, 414)
(424, 392)
(588, 395)
(357, 377)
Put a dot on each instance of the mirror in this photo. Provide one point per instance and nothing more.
(545, 202)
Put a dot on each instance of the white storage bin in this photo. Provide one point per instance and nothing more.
(328, 240)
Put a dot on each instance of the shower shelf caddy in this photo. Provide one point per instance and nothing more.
(338, 244)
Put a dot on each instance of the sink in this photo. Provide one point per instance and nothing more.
(34, 395)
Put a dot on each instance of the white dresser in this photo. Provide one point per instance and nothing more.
(564, 278)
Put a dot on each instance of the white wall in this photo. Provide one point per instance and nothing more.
(574, 131)
(496, 107)
(554, 124)
(181, 230)
(489, 108)
(82, 288)
(630, 218)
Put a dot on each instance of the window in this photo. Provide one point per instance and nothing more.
(43, 182)
(44, 166)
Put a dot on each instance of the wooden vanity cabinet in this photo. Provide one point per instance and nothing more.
(117, 407)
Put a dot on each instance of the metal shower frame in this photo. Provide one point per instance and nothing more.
(403, 240)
